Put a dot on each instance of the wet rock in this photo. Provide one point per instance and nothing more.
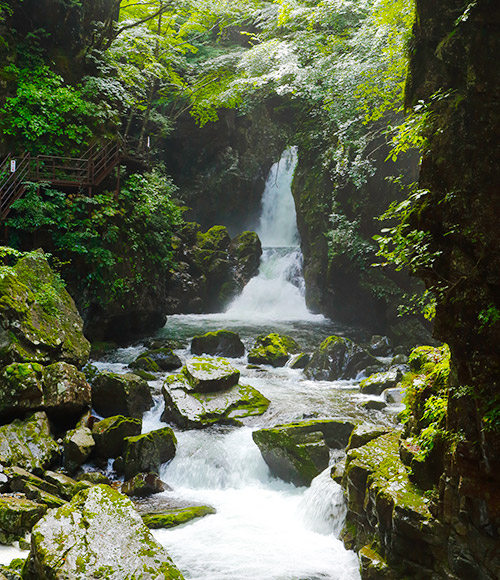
(144, 484)
(21, 389)
(67, 487)
(373, 566)
(206, 375)
(338, 358)
(379, 345)
(91, 478)
(78, 445)
(160, 359)
(363, 433)
(147, 452)
(38, 318)
(300, 361)
(394, 396)
(177, 517)
(399, 359)
(17, 516)
(246, 250)
(109, 434)
(374, 405)
(28, 444)
(218, 343)
(20, 479)
(188, 409)
(377, 383)
(273, 349)
(98, 534)
(116, 394)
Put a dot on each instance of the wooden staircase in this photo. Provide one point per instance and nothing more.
(73, 172)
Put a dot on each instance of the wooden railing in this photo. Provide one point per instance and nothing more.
(88, 171)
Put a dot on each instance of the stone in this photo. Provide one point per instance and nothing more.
(20, 478)
(188, 409)
(160, 359)
(246, 250)
(394, 396)
(39, 321)
(300, 361)
(91, 478)
(17, 516)
(116, 394)
(219, 343)
(66, 392)
(147, 452)
(375, 384)
(67, 487)
(399, 359)
(374, 405)
(29, 443)
(207, 375)
(78, 445)
(144, 484)
(363, 433)
(379, 345)
(21, 389)
(273, 349)
(338, 358)
(216, 239)
(109, 434)
(176, 518)
(97, 534)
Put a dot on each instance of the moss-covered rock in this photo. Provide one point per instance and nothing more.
(78, 445)
(17, 516)
(38, 318)
(338, 358)
(176, 517)
(147, 452)
(188, 409)
(67, 487)
(20, 479)
(377, 383)
(246, 251)
(273, 349)
(109, 434)
(116, 394)
(219, 343)
(216, 238)
(144, 484)
(21, 389)
(98, 535)
(363, 433)
(160, 359)
(207, 375)
(29, 443)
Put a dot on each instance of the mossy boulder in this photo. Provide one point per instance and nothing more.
(219, 343)
(39, 321)
(207, 375)
(160, 359)
(29, 443)
(144, 484)
(189, 409)
(338, 358)
(98, 534)
(175, 517)
(216, 238)
(117, 394)
(246, 250)
(147, 452)
(298, 452)
(59, 389)
(109, 434)
(377, 383)
(67, 487)
(273, 349)
(364, 433)
(78, 445)
(17, 516)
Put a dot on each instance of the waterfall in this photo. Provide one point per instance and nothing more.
(277, 292)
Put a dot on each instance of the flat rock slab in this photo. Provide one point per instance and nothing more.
(98, 534)
(207, 375)
(196, 410)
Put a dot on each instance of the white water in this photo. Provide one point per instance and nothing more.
(277, 293)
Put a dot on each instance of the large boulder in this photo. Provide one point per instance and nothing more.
(159, 359)
(188, 409)
(298, 452)
(78, 445)
(273, 349)
(147, 452)
(338, 358)
(17, 516)
(98, 535)
(116, 394)
(144, 484)
(246, 251)
(109, 434)
(39, 321)
(29, 443)
(59, 389)
(206, 375)
(377, 383)
(218, 343)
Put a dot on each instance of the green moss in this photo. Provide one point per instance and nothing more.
(177, 517)
(273, 349)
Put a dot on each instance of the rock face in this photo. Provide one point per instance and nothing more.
(246, 251)
(38, 318)
(273, 349)
(188, 408)
(219, 343)
(338, 358)
(298, 452)
(28, 443)
(115, 394)
(98, 534)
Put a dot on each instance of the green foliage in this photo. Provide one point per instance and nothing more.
(344, 240)
(107, 244)
(46, 116)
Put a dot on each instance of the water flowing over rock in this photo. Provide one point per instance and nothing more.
(98, 534)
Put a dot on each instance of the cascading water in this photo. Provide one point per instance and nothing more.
(277, 293)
